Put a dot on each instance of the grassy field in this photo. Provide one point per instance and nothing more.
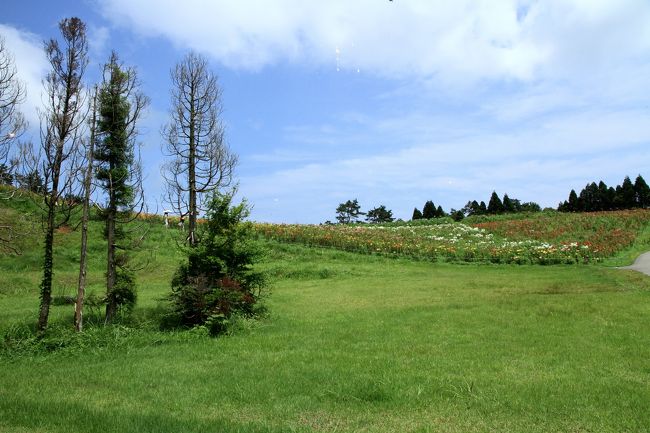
(352, 343)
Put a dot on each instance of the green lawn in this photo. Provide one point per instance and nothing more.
(352, 343)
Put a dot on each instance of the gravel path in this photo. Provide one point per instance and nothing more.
(641, 264)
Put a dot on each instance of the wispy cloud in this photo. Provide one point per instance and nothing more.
(536, 162)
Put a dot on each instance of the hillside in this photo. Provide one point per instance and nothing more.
(352, 342)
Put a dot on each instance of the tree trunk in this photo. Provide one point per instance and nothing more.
(81, 289)
(48, 271)
(192, 182)
(46, 282)
(111, 306)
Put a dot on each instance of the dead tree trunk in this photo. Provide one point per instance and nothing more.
(81, 289)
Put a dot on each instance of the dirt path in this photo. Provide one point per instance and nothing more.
(641, 264)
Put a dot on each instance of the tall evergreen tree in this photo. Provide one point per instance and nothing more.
(120, 107)
(429, 210)
(417, 215)
(495, 206)
(483, 208)
(603, 197)
(508, 206)
(440, 212)
(573, 201)
(628, 194)
(642, 192)
(589, 197)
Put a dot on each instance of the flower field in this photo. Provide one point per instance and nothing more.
(540, 239)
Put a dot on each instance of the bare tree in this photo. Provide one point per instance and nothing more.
(201, 161)
(87, 186)
(62, 127)
(12, 94)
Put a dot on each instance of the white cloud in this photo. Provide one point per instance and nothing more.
(543, 96)
(464, 40)
(27, 50)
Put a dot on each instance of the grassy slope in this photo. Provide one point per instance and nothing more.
(353, 343)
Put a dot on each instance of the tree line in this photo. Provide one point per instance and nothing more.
(89, 142)
(599, 197)
(593, 197)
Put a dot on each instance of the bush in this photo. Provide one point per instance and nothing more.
(218, 279)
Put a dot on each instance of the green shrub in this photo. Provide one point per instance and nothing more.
(218, 279)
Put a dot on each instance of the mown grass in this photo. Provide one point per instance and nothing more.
(351, 343)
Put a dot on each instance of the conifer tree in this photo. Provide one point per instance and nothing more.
(508, 206)
(379, 215)
(642, 192)
(348, 212)
(628, 194)
(573, 202)
(439, 212)
(120, 106)
(603, 197)
(429, 210)
(417, 215)
(483, 208)
(495, 206)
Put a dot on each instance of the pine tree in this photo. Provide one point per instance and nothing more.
(483, 208)
(439, 212)
(429, 210)
(496, 205)
(348, 212)
(417, 215)
(642, 192)
(379, 215)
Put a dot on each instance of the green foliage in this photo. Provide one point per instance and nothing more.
(642, 192)
(380, 215)
(348, 212)
(417, 215)
(6, 178)
(114, 150)
(495, 206)
(119, 106)
(124, 292)
(218, 279)
(542, 237)
(599, 197)
(429, 210)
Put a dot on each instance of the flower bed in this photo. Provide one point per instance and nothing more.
(561, 238)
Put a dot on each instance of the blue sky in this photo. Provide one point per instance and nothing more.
(392, 103)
